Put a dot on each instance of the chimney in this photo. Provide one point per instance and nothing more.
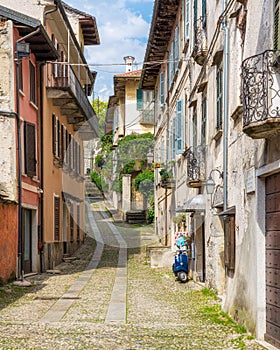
(128, 63)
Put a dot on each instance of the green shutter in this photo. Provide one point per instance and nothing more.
(179, 127)
(174, 138)
(139, 94)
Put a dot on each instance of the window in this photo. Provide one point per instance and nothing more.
(276, 38)
(219, 84)
(179, 127)
(32, 83)
(56, 218)
(229, 228)
(20, 80)
(203, 118)
(29, 149)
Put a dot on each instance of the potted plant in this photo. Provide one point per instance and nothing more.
(166, 178)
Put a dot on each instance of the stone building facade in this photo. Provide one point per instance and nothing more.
(50, 101)
(217, 130)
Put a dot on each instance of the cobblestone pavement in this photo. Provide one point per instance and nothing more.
(160, 313)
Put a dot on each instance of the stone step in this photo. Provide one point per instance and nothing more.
(136, 216)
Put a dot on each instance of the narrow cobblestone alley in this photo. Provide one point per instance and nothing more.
(110, 298)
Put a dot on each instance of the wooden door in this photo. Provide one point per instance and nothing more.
(273, 259)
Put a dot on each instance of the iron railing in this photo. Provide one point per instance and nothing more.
(196, 168)
(67, 80)
(200, 50)
(261, 87)
(148, 115)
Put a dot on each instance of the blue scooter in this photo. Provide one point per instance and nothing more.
(181, 265)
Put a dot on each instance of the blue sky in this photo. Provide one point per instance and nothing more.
(123, 27)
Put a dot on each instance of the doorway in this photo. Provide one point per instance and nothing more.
(27, 240)
(272, 266)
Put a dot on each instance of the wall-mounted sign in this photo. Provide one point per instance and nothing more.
(250, 180)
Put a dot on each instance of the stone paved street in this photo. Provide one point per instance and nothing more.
(110, 298)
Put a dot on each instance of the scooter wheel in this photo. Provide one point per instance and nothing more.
(182, 276)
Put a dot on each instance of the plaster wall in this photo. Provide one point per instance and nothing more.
(8, 124)
(8, 239)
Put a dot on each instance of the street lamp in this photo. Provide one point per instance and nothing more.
(210, 183)
(150, 157)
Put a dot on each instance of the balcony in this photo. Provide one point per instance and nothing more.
(196, 166)
(65, 90)
(200, 49)
(261, 95)
(147, 116)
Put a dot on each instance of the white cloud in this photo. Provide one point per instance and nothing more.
(122, 32)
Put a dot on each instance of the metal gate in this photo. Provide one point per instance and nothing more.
(273, 259)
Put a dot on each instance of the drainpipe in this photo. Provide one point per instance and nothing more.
(41, 155)
(225, 103)
(47, 13)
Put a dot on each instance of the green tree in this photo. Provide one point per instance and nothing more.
(100, 108)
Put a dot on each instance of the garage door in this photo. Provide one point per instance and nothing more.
(273, 259)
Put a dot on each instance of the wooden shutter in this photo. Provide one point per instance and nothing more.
(67, 146)
(53, 134)
(229, 243)
(58, 137)
(56, 218)
(203, 118)
(139, 94)
(219, 98)
(32, 86)
(30, 149)
(20, 80)
(276, 36)
(62, 143)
